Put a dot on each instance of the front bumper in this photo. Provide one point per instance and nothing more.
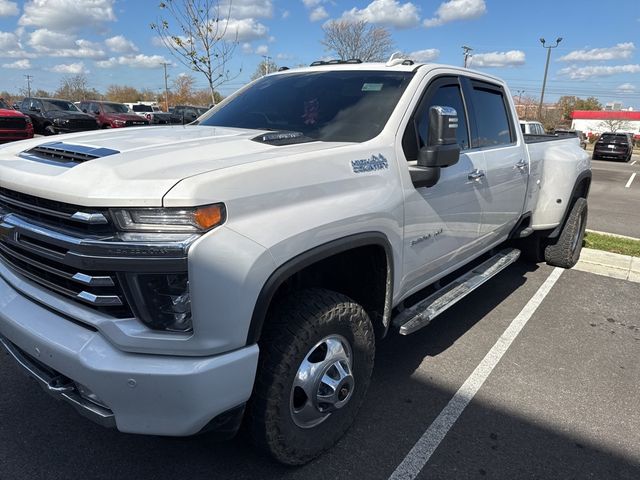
(138, 393)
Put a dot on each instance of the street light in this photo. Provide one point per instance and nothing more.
(546, 68)
(519, 92)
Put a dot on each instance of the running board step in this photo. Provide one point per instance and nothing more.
(421, 314)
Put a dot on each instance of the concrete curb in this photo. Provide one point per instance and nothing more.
(614, 265)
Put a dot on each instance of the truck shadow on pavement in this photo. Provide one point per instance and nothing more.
(42, 439)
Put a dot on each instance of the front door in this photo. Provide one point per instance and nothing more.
(442, 222)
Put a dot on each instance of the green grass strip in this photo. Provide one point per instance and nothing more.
(608, 243)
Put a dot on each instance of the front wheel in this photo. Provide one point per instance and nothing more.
(565, 252)
(49, 130)
(316, 360)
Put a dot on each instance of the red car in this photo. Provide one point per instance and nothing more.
(112, 114)
(14, 125)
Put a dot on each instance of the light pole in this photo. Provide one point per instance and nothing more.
(166, 88)
(466, 51)
(546, 69)
(267, 60)
(519, 92)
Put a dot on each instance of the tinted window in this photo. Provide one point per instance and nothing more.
(445, 96)
(114, 108)
(63, 105)
(142, 108)
(349, 106)
(614, 138)
(4, 105)
(491, 118)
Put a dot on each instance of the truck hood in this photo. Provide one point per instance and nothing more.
(10, 113)
(141, 164)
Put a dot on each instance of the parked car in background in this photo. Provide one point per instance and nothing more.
(14, 125)
(532, 128)
(184, 114)
(112, 114)
(51, 116)
(151, 113)
(618, 146)
(573, 133)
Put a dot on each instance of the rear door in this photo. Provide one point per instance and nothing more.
(493, 132)
(442, 222)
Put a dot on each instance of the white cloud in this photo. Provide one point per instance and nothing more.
(70, 68)
(64, 15)
(119, 44)
(245, 29)
(8, 9)
(626, 88)
(428, 55)
(285, 14)
(311, 3)
(620, 51)
(23, 64)
(50, 40)
(8, 41)
(246, 8)
(583, 73)
(56, 44)
(453, 10)
(133, 61)
(318, 13)
(262, 49)
(387, 12)
(247, 48)
(498, 59)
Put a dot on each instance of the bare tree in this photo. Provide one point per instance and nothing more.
(350, 39)
(196, 32)
(76, 88)
(264, 67)
(613, 125)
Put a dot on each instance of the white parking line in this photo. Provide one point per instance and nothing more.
(633, 163)
(633, 175)
(419, 455)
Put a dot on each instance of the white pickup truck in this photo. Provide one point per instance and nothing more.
(173, 280)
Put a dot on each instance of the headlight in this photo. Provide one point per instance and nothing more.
(119, 123)
(161, 301)
(60, 121)
(169, 220)
(28, 120)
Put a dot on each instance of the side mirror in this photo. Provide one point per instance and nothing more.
(442, 149)
(34, 109)
(84, 110)
(96, 112)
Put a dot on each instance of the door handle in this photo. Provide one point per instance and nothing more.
(476, 175)
(521, 165)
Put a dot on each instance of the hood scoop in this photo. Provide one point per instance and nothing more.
(66, 154)
(283, 137)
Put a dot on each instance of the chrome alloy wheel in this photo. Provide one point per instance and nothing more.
(323, 383)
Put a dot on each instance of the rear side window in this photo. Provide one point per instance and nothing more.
(614, 138)
(492, 120)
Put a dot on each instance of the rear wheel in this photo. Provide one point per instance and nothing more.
(316, 359)
(565, 251)
(49, 130)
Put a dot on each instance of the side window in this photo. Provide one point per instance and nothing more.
(445, 96)
(491, 118)
(25, 104)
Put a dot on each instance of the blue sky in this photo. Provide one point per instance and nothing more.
(111, 41)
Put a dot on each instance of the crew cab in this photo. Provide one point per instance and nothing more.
(13, 124)
(171, 280)
(150, 112)
(112, 114)
(51, 116)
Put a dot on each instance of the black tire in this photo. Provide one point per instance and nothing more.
(565, 252)
(296, 325)
(49, 130)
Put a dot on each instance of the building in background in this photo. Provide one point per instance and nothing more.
(597, 121)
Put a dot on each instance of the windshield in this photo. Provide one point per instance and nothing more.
(142, 108)
(340, 106)
(49, 105)
(114, 108)
(4, 105)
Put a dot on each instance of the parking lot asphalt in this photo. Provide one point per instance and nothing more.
(561, 403)
(615, 196)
